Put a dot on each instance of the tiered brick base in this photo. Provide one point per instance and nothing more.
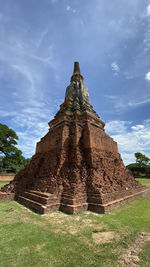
(103, 208)
(45, 203)
(39, 201)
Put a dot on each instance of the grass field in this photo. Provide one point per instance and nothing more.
(3, 183)
(57, 239)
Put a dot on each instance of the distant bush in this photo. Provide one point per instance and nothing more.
(142, 166)
(137, 167)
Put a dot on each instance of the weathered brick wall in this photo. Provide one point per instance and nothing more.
(7, 177)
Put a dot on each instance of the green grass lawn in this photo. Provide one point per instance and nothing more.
(144, 181)
(60, 240)
(3, 183)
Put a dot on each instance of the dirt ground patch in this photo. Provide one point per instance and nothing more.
(70, 224)
(55, 217)
(131, 259)
(105, 237)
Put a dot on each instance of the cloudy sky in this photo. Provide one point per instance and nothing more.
(40, 40)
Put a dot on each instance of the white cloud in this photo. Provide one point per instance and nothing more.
(148, 10)
(137, 127)
(4, 113)
(42, 36)
(69, 8)
(31, 123)
(115, 68)
(27, 74)
(123, 103)
(147, 76)
(112, 97)
(130, 139)
(26, 62)
(139, 102)
(117, 126)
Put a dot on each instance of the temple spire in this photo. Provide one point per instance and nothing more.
(76, 73)
(76, 68)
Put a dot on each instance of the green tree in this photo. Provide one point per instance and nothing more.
(141, 166)
(8, 139)
(141, 158)
(11, 159)
(137, 167)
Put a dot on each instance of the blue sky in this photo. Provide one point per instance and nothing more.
(39, 42)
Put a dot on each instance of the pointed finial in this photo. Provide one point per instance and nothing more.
(76, 68)
(76, 73)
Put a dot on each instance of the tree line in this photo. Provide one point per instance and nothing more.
(142, 165)
(11, 158)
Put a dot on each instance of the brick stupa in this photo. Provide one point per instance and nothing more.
(76, 165)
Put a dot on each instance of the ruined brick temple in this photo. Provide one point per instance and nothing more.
(76, 165)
